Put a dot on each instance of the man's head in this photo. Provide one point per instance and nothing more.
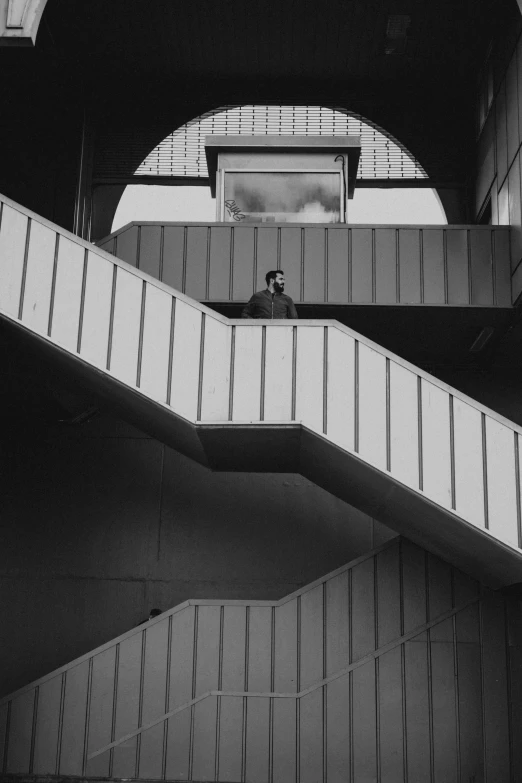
(275, 281)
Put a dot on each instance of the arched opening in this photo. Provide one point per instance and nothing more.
(392, 185)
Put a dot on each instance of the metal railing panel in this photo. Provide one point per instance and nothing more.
(336, 264)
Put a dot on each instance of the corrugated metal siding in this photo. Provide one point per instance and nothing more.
(464, 265)
(395, 667)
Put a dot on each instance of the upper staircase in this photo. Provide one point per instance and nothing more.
(309, 396)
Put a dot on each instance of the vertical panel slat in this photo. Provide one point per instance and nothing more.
(372, 405)
(20, 732)
(173, 249)
(156, 343)
(512, 110)
(362, 245)
(178, 742)
(414, 585)
(409, 265)
(220, 248)
(182, 657)
(338, 265)
(469, 690)
(278, 374)
(495, 689)
(127, 705)
(481, 267)
(230, 737)
(216, 371)
(150, 250)
(337, 625)
(204, 739)
(13, 234)
(154, 686)
(515, 211)
(385, 266)
(309, 377)
(417, 718)
(457, 257)
(362, 609)
(257, 740)
(314, 260)
(311, 644)
(96, 310)
(126, 326)
(436, 444)
(39, 277)
(243, 263)
(433, 265)
(127, 247)
(502, 263)
(285, 651)
(501, 128)
(502, 502)
(196, 249)
(284, 750)
(4, 720)
(340, 389)
(291, 260)
(67, 293)
(469, 490)
(310, 736)
(338, 730)
(247, 373)
(100, 721)
(388, 596)
(185, 360)
(266, 255)
(390, 716)
(46, 739)
(259, 649)
(404, 452)
(444, 721)
(208, 649)
(503, 204)
(71, 755)
(234, 641)
(364, 725)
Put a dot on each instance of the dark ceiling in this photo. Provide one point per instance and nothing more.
(139, 70)
(338, 40)
(151, 66)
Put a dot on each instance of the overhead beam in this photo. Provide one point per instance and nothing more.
(19, 21)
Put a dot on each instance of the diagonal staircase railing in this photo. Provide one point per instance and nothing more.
(308, 396)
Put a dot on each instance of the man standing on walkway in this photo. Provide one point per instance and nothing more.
(272, 302)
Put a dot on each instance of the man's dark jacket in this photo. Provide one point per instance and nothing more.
(263, 304)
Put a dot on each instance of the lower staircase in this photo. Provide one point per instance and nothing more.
(395, 662)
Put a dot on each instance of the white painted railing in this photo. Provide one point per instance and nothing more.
(437, 446)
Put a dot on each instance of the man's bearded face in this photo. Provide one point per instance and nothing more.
(279, 284)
